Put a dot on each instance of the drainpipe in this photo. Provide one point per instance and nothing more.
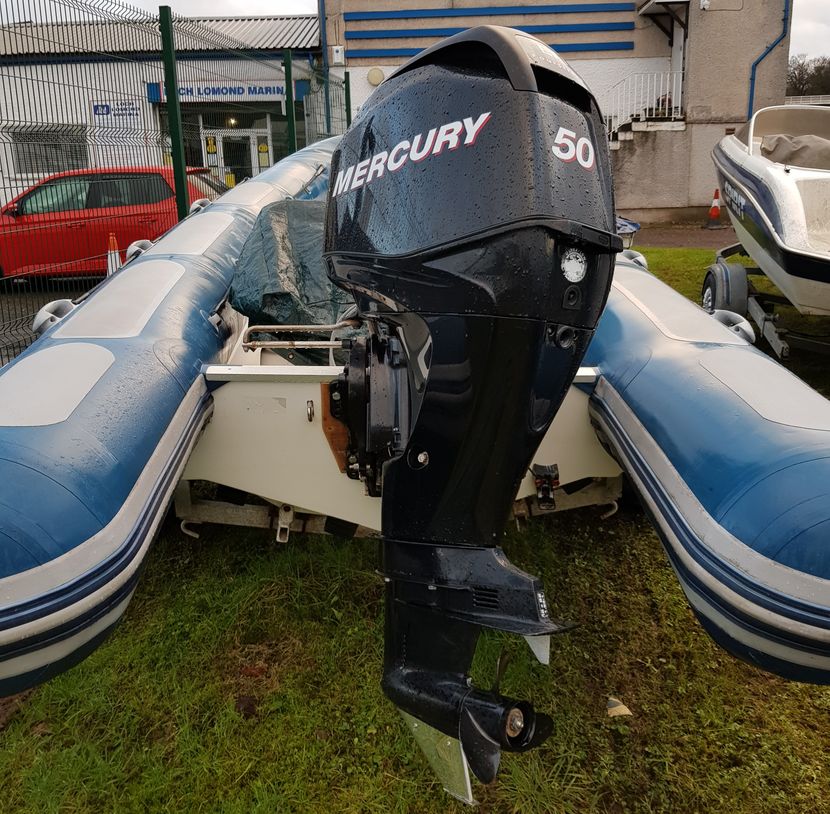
(321, 14)
(784, 29)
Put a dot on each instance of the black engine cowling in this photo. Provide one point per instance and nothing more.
(471, 215)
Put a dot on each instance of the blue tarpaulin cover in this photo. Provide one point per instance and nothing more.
(281, 277)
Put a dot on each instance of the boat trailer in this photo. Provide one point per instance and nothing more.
(727, 286)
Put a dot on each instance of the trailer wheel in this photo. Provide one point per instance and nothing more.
(711, 295)
(725, 288)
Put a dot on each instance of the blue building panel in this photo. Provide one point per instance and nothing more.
(562, 48)
(406, 33)
(487, 11)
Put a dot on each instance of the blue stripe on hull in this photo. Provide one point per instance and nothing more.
(791, 262)
(730, 577)
(764, 661)
(108, 570)
(759, 596)
(25, 681)
(124, 443)
(73, 626)
(749, 182)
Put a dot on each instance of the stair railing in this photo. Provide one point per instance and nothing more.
(649, 96)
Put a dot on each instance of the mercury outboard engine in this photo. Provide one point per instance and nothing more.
(471, 216)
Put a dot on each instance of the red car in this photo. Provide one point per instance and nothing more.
(61, 226)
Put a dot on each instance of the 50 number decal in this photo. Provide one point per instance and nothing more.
(568, 147)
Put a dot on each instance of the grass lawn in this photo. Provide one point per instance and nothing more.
(245, 679)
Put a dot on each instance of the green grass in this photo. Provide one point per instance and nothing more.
(244, 678)
(684, 269)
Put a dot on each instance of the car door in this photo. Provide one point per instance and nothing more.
(156, 199)
(47, 230)
(132, 205)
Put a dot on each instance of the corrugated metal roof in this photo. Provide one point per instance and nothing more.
(141, 35)
(267, 33)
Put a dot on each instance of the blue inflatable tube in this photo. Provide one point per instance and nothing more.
(98, 418)
(731, 455)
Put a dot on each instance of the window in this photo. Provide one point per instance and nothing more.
(60, 195)
(40, 150)
(130, 189)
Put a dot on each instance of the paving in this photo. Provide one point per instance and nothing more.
(670, 236)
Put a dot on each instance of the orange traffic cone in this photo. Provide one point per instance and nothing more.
(714, 213)
(113, 255)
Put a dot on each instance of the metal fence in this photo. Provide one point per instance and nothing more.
(88, 135)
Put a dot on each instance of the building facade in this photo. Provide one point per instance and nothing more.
(92, 94)
(671, 77)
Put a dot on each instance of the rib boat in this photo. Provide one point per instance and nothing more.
(507, 352)
(730, 454)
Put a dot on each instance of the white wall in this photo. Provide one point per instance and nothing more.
(61, 98)
(601, 75)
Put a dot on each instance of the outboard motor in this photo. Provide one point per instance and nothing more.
(471, 216)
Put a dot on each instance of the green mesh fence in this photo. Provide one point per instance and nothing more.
(85, 142)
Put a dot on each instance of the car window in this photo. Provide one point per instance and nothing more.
(129, 189)
(208, 187)
(60, 195)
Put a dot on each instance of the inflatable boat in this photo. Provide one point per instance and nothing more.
(501, 361)
(774, 174)
(98, 419)
(730, 453)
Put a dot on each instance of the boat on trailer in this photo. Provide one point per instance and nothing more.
(774, 176)
(155, 381)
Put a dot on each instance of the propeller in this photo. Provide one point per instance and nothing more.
(490, 723)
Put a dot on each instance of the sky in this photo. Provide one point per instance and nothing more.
(811, 28)
(810, 34)
(231, 8)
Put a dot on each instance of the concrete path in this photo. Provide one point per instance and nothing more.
(684, 237)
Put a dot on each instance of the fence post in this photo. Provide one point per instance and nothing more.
(324, 47)
(328, 100)
(348, 92)
(289, 103)
(174, 111)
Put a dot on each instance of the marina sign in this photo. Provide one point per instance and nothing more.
(249, 90)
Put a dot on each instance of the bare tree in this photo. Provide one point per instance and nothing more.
(820, 76)
(799, 75)
(808, 77)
